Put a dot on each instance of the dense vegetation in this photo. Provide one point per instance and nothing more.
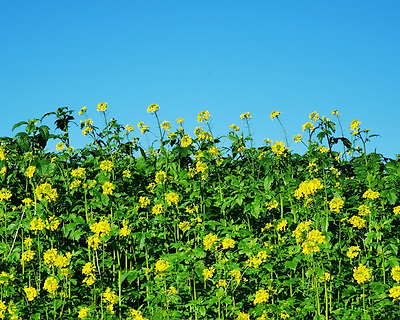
(192, 228)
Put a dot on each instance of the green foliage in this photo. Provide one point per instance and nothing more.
(194, 229)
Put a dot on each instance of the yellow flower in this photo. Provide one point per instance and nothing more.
(396, 210)
(165, 125)
(102, 106)
(395, 293)
(106, 165)
(281, 225)
(203, 115)
(336, 204)
(157, 209)
(52, 223)
(125, 230)
(172, 290)
(161, 176)
(363, 210)
(335, 113)
(172, 198)
(153, 108)
(284, 315)
(83, 312)
(3, 171)
(180, 120)
(300, 229)
(308, 188)
(126, 174)
(327, 276)
(36, 224)
(27, 202)
(60, 146)
(161, 265)
(184, 226)
(314, 116)
(31, 293)
(186, 140)
(297, 138)
(353, 251)
(357, 222)
(323, 149)
(30, 171)
(274, 114)
(136, 314)
(395, 273)
(94, 241)
(243, 316)
(28, 242)
(109, 296)
(108, 188)
(278, 148)
(78, 173)
(236, 275)
(361, 273)
(234, 128)
(369, 194)
(144, 201)
(3, 152)
(128, 128)
(82, 111)
(46, 190)
(88, 268)
(208, 273)
(228, 243)
(261, 296)
(221, 283)
(51, 285)
(246, 115)
(209, 241)
(308, 125)
(354, 125)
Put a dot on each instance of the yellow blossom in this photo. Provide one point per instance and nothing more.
(31, 293)
(336, 204)
(203, 115)
(243, 316)
(369, 194)
(186, 140)
(78, 173)
(297, 138)
(165, 125)
(314, 116)
(396, 210)
(106, 165)
(209, 240)
(108, 188)
(51, 285)
(82, 111)
(395, 273)
(357, 222)
(172, 198)
(153, 108)
(278, 148)
(353, 251)
(161, 266)
(246, 115)
(261, 296)
(208, 273)
(228, 243)
(308, 125)
(281, 225)
(363, 210)
(395, 293)
(362, 274)
(234, 127)
(60, 146)
(102, 106)
(274, 114)
(83, 312)
(157, 209)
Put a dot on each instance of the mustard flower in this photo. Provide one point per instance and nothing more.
(102, 106)
(281, 225)
(184, 226)
(335, 113)
(144, 201)
(82, 111)
(395, 293)
(110, 296)
(209, 240)
(94, 241)
(203, 115)
(83, 312)
(153, 108)
(172, 198)
(36, 224)
(354, 125)
(274, 114)
(51, 285)
(353, 252)
(78, 173)
(336, 204)
(243, 316)
(261, 296)
(395, 273)
(165, 125)
(161, 265)
(106, 165)
(363, 210)
(126, 174)
(157, 209)
(172, 290)
(314, 116)
(372, 195)
(278, 148)
(52, 223)
(31, 293)
(308, 125)
(186, 140)
(108, 188)
(228, 243)
(161, 176)
(362, 274)
(180, 120)
(236, 275)
(357, 222)
(60, 146)
(208, 273)
(308, 188)
(396, 210)
(47, 191)
(297, 138)
(221, 283)
(5, 194)
(246, 115)
(234, 127)
(129, 128)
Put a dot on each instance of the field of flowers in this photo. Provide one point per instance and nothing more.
(194, 226)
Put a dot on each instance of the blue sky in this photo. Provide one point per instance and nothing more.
(227, 57)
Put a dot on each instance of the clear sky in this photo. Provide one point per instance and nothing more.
(227, 57)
